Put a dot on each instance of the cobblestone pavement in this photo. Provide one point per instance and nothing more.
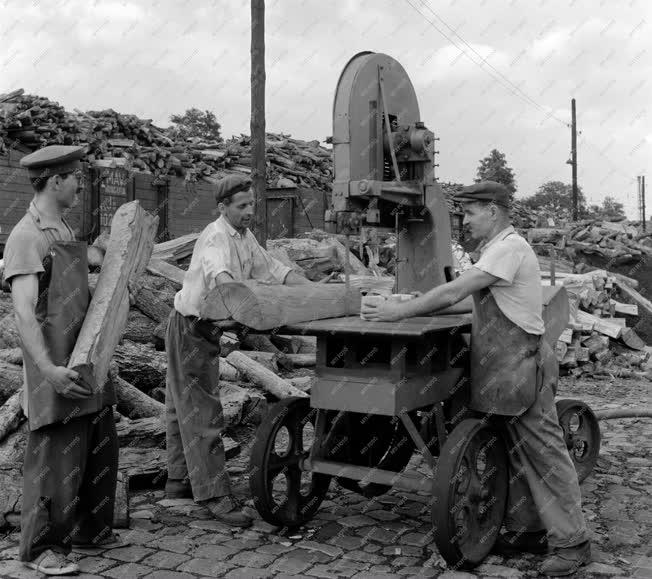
(390, 536)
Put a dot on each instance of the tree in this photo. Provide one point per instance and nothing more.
(195, 123)
(555, 199)
(611, 210)
(494, 168)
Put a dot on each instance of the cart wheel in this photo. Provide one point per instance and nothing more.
(581, 434)
(470, 493)
(370, 440)
(285, 495)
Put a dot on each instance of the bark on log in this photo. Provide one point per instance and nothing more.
(259, 343)
(133, 403)
(267, 359)
(262, 377)
(139, 328)
(303, 360)
(12, 356)
(631, 339)
(141, 365)
(286, 344)
(264, 307)
(11, 380)
(11, 415)
(128, 252)
(9, 337)
(151, 304)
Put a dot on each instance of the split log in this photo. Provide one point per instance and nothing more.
(11, 380)
(139, 328)
(637, 297)
(11, 415)
(602, 325)
(566, 336)
(12, 356)
(241, 405)
(264, 307)
(175, 249)
(228, 343)
(628, 309)
(596, 343)
(164, 269)
(631, 339)
(583, 355)
(560, 350)
(127, 254)
(262, 377)
(141, 365)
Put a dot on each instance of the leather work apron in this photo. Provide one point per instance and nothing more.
(60, 310)
(505, 360)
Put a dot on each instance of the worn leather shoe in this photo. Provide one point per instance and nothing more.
(566, 561)
(512, 543)
(177, 489)
(228, 511)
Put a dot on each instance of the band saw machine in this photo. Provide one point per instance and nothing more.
(385, 390)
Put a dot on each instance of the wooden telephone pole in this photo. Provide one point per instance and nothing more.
(258, 168)
(574, 160)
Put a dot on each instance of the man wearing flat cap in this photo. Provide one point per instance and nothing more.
(513, 374)
(225, 251)
(71, 459)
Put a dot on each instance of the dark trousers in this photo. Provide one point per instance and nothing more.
(69, 482)
(195, 420)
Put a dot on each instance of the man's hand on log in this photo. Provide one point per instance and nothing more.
(64, 382)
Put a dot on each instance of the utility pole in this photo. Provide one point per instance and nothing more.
(644, 215)
(258, 169)
(574, 160)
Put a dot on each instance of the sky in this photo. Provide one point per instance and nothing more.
(487, 74)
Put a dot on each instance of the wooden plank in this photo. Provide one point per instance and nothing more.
(628, 309)
(566, 336)
(129, 249)
(601, 325)
(264, 307)
(634, 295)
(164, 269)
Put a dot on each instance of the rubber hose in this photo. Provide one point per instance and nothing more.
(623, 413)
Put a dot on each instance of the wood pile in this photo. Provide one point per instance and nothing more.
(115, 139)
(600, 339)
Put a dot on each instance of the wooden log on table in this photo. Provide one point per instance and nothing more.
(164, 269)
(11, 415)
(636, 296)
(262, 377)
(12, 356)
(264, 307)
(128, 252)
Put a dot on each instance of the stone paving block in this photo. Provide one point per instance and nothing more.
(216, 552)
(329, 550)
(252, 559)
(324, 572)
(130, 570)
(165, 560)
(373, 575)
(174, 544)
(273, 549)
(457, 575)
(211, 525)
(138, 536)
(600, 569)
(372, 548)
(420, 572)
(403, 550)
(498, 571)
(16, 570)
(176, 502)
(93, 564)
(364, 557)
(381, 515)
(405, 561)
(378, 534)
(145, 514)
(263, 526)
(130, 554)
(144, 524)
(347, 542)
(169, 575)
(248, 573)
(416, 539)
(292, 566)
(643, 572)
(206, 567)
(242, 543)
(211, 538)
(355, 521)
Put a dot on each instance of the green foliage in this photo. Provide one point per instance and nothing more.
(610, 210)
(555, 199)
(494, 168)
(195, 123)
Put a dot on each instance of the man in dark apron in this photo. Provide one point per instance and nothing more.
(71, 459)
(513, 374)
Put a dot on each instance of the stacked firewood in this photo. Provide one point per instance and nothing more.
(599, 339)
(115, 139)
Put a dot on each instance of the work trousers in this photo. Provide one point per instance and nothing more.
(69, 480)
(195, 421)
(544, 492)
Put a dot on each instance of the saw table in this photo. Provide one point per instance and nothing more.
(384, 391)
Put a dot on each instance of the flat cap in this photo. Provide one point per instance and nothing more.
(53, 160)
(485, 191)
(231, 185)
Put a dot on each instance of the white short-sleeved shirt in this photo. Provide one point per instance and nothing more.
(220, 248)
(518, 292)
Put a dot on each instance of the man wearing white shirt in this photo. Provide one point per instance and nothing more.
(225, 251)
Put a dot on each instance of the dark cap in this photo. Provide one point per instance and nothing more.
(53, 160)
(485, 191)
(231, 185)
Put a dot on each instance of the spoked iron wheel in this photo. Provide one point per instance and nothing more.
(369, 440)
(284, 494)
(581, 434)
(470, 493)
